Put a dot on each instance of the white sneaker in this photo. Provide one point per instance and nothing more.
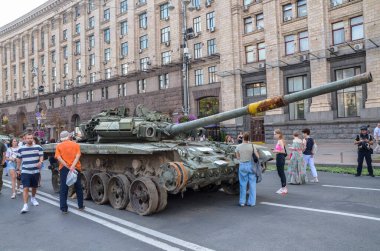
(25, 209)
(13, 196)
(284, 190)
(315, 180)
(279, 191)
(18, 191)
(34, 201)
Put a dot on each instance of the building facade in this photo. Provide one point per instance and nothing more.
(68, 60)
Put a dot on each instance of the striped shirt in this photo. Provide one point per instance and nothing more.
(30, 156)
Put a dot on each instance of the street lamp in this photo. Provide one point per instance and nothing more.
(186, 55)
(40, 88)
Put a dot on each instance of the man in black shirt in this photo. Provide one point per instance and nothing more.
(364, 141)
(3, 150)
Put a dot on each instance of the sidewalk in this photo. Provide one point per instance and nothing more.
(338, 154)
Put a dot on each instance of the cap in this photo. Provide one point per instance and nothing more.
(364, 128)
(64, 135)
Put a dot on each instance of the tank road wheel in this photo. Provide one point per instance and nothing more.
(118, 191)
(98, 187)
(55, 180)
(85, 180)
(231, 189)
(131, 177)
(162, 195)
(144, 196)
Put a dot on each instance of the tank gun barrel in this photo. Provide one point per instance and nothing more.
(271, 103)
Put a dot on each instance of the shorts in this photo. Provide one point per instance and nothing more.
(30, 180)
(11, 166)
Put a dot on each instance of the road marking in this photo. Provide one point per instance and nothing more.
(174, 240)
(322, 211)
(358, 188)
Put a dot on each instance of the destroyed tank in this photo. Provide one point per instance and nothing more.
(134, 162)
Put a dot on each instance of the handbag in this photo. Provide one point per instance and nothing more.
(71, 178)
(254, 157)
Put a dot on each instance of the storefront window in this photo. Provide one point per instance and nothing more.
(349, 99)
(208, 106)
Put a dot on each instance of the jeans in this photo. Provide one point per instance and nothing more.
(368, 159)
(280, 164)
(1, 177)
(64, 189)
(246, 176)
(309, 160)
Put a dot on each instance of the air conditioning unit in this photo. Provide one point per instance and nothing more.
(105, 62)
(208, 3)
(166, 18)
(260, 28)
(89, 68)
(63, 75)
(145, 27)
(141, 51)
(76, 53)
(198, 7)
(107, 41)
(75, 18)
(121, 57)
(304, 58)
(196, 34)
(212, 29)
(88, 11)
(167, 44)
(261, 65)
(245, 8)
(52, 78)
(121, 36)
(288, 18)
(358, 47)
(148, 62)
(334, 49)
(89, 48)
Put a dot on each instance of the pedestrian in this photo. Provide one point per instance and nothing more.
(281, 154)
(29, 161)
(229, 140)
(68, 153)
(308, 153)
(364, 141)
(240, 138)
(11, 159)
(296, 168)
(3, 150)
(376, 135)
(244, 153)
(23, 141)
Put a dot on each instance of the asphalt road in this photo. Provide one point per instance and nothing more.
(341, 212)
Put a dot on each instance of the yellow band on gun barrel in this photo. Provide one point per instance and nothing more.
(252, 108)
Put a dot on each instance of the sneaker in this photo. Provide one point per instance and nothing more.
(315, 180)
(18, 191)
(81, 208)
(13, 196)
(34, 201)
(284, 190)
(65, 212)
(371, 175)
(279, 191)
(357, 175)
(25, 209)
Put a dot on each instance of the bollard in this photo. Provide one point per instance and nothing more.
(341, 157)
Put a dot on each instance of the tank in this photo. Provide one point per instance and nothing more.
(134, 162)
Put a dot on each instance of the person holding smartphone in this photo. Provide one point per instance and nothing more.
(281, 154)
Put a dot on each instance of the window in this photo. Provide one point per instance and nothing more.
(92, 59)
(124, 69)
(91, 5)
(89, 96)
(92, 77)
(297, 109)
(197, 50)
(77, 29)
(32, 43)
(143, 20)
(166, 57)
(141, 2)
(165, 35)
(54, 72)
(350, 99)
(304, 41)
(124, 49)
(108, 73)
(77, 47)
(144, 62)
(211, 47)
(53, 40)
(247, 2)
(287, 12)
(122, 90)
(65, 52)
(301, 8)
(106, 15)
(164, 11)
(91, 22)
(65, 35)
(42, 41)
(105, 93)
(212, 77)
(256, 90)
(248, 25)
(65, 68)
(42, 60)
(64, 18)
(260, 21)
(123, 6)
(197, 24)
(77, 11)
(336, 2)
(196, 3)
(198, 77)
(91, 41)
(357, 31)
(107, 35)
(144, 42)
(210, 19)
(78, 80)
(163, 81)
(123, 28)
(75, 98)
(261, 51)
(63, 101)
(141, 86)
(53, 58)
(107, 54)
(51, 102)
(338, 33)
(289, 45)
(249, 54)
(23, 48)
(78, 65)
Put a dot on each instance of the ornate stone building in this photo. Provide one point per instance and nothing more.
(206, 55)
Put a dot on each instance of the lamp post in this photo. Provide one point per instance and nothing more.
(40, 88)
(185, 56)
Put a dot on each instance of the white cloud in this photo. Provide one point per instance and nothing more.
(12, 9)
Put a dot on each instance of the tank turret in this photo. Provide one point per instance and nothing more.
(117, 126)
